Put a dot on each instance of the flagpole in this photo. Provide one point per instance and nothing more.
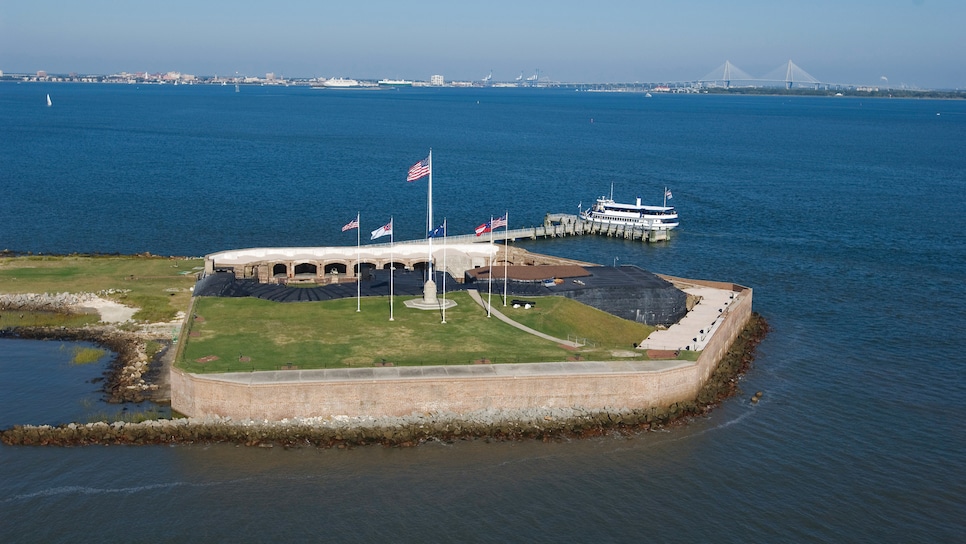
(506, 251)
(665, 196)
(429, 215)
(444, 270)
(489, 275)
(358, 264)
(392, 266)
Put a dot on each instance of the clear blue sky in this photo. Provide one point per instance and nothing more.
(912, 42)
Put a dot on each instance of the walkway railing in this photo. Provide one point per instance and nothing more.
(558, 225)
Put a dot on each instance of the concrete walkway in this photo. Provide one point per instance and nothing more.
(475, 295)
(449, 371)
(694, 330)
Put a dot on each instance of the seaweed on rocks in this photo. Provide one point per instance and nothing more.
(124, 377)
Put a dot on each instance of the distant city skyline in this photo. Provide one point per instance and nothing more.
(904, 43)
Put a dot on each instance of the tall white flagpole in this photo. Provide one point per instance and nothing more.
(489, 275)
(444, 270)
(506, 251)
(358, 264)
(392, 265)
(429, 216)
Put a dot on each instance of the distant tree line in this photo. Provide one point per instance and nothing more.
(881, 93)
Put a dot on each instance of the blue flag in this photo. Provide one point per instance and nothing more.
(437, 232)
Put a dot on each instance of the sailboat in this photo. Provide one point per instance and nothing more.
(49, 103)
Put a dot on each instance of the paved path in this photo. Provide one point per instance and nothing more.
(499, 315)
(695, 329)
(448, 371)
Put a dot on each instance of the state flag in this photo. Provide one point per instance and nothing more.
(437, 232)
(384, 230)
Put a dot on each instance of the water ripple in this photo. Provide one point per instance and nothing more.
(84, 490)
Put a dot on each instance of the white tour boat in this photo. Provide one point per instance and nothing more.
(340, 83)
(606, 211)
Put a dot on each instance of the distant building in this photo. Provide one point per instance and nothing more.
(270, 76)
(436, 80)
(41, 73)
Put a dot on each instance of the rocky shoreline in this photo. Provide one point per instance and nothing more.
(127, 378)
(341, 432)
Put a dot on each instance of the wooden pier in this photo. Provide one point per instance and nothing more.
(559, 225)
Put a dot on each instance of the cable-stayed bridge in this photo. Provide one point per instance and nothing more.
(789, 75)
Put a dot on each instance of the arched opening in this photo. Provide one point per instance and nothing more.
(366, 268)
(279, 270)
(394, 265)
(420, 266)
(335, 268)
(306, 269)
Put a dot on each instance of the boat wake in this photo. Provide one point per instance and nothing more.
(84, 490)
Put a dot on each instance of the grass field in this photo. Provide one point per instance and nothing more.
(560, 317)
(252, 334)
(45, 319)
(159, 286)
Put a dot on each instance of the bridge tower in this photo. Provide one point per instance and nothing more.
(790, 74)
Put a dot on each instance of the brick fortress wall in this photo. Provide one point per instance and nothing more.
(200, 396)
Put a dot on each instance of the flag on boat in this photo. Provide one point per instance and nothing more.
(418, 170)
(485, 227)
(354, 224)
(499, 222)
(382, 231)
(667, 193)
(437, 232)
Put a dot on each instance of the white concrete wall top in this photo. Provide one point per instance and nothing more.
(696, 328)
(568, 368)
(375, 251)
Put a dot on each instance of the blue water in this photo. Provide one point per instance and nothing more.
(41, 384)
(845, 216)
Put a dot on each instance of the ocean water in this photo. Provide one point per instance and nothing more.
(844, 214)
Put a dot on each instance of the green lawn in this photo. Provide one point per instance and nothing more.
(561, 316)
(247, 334)
(159, 286)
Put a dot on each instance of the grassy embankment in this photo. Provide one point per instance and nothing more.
(158, 286)
(252, 334)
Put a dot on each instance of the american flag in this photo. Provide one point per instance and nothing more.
(418, 170)
(667, 193)
(354, 224)
(499, 222)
